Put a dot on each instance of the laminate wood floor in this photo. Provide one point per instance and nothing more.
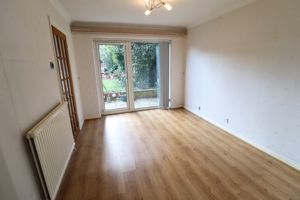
(161, 154)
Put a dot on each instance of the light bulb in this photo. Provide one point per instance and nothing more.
(147, 12)
(168, 6)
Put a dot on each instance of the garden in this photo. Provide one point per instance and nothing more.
(144, 71)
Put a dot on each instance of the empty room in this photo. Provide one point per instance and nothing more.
(150, 99)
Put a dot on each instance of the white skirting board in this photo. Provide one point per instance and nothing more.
(255, 145)
(178, 106)
(81, 124)
(89, 117)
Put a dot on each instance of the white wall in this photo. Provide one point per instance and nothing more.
(245, 67)
(7, 190)
(7, 117)
(28, 89)
(86, 62)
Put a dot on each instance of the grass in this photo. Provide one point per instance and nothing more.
(112, 85)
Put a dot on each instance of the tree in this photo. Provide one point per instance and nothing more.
(112, 56)
(144, 65)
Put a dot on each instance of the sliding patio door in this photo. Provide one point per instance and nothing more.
(129, 75)
(144, 63)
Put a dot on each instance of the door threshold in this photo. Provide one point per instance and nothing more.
(130, 111)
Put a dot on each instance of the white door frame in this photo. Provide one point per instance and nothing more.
(128, 71)
(99, 77)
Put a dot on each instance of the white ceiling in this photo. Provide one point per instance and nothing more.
(186, 13)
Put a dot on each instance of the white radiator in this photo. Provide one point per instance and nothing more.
(51, 142)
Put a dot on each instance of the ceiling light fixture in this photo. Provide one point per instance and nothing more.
(152, 4)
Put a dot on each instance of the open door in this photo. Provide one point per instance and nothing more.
(66, 83)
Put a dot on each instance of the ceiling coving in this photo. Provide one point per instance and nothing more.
(153, 4)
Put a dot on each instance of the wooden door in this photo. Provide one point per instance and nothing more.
(66, 83)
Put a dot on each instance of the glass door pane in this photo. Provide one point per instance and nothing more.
(144, 61)
(113, 76)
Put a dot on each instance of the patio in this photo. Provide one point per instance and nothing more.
(138, 103)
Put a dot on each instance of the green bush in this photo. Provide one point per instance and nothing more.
(144, 69)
